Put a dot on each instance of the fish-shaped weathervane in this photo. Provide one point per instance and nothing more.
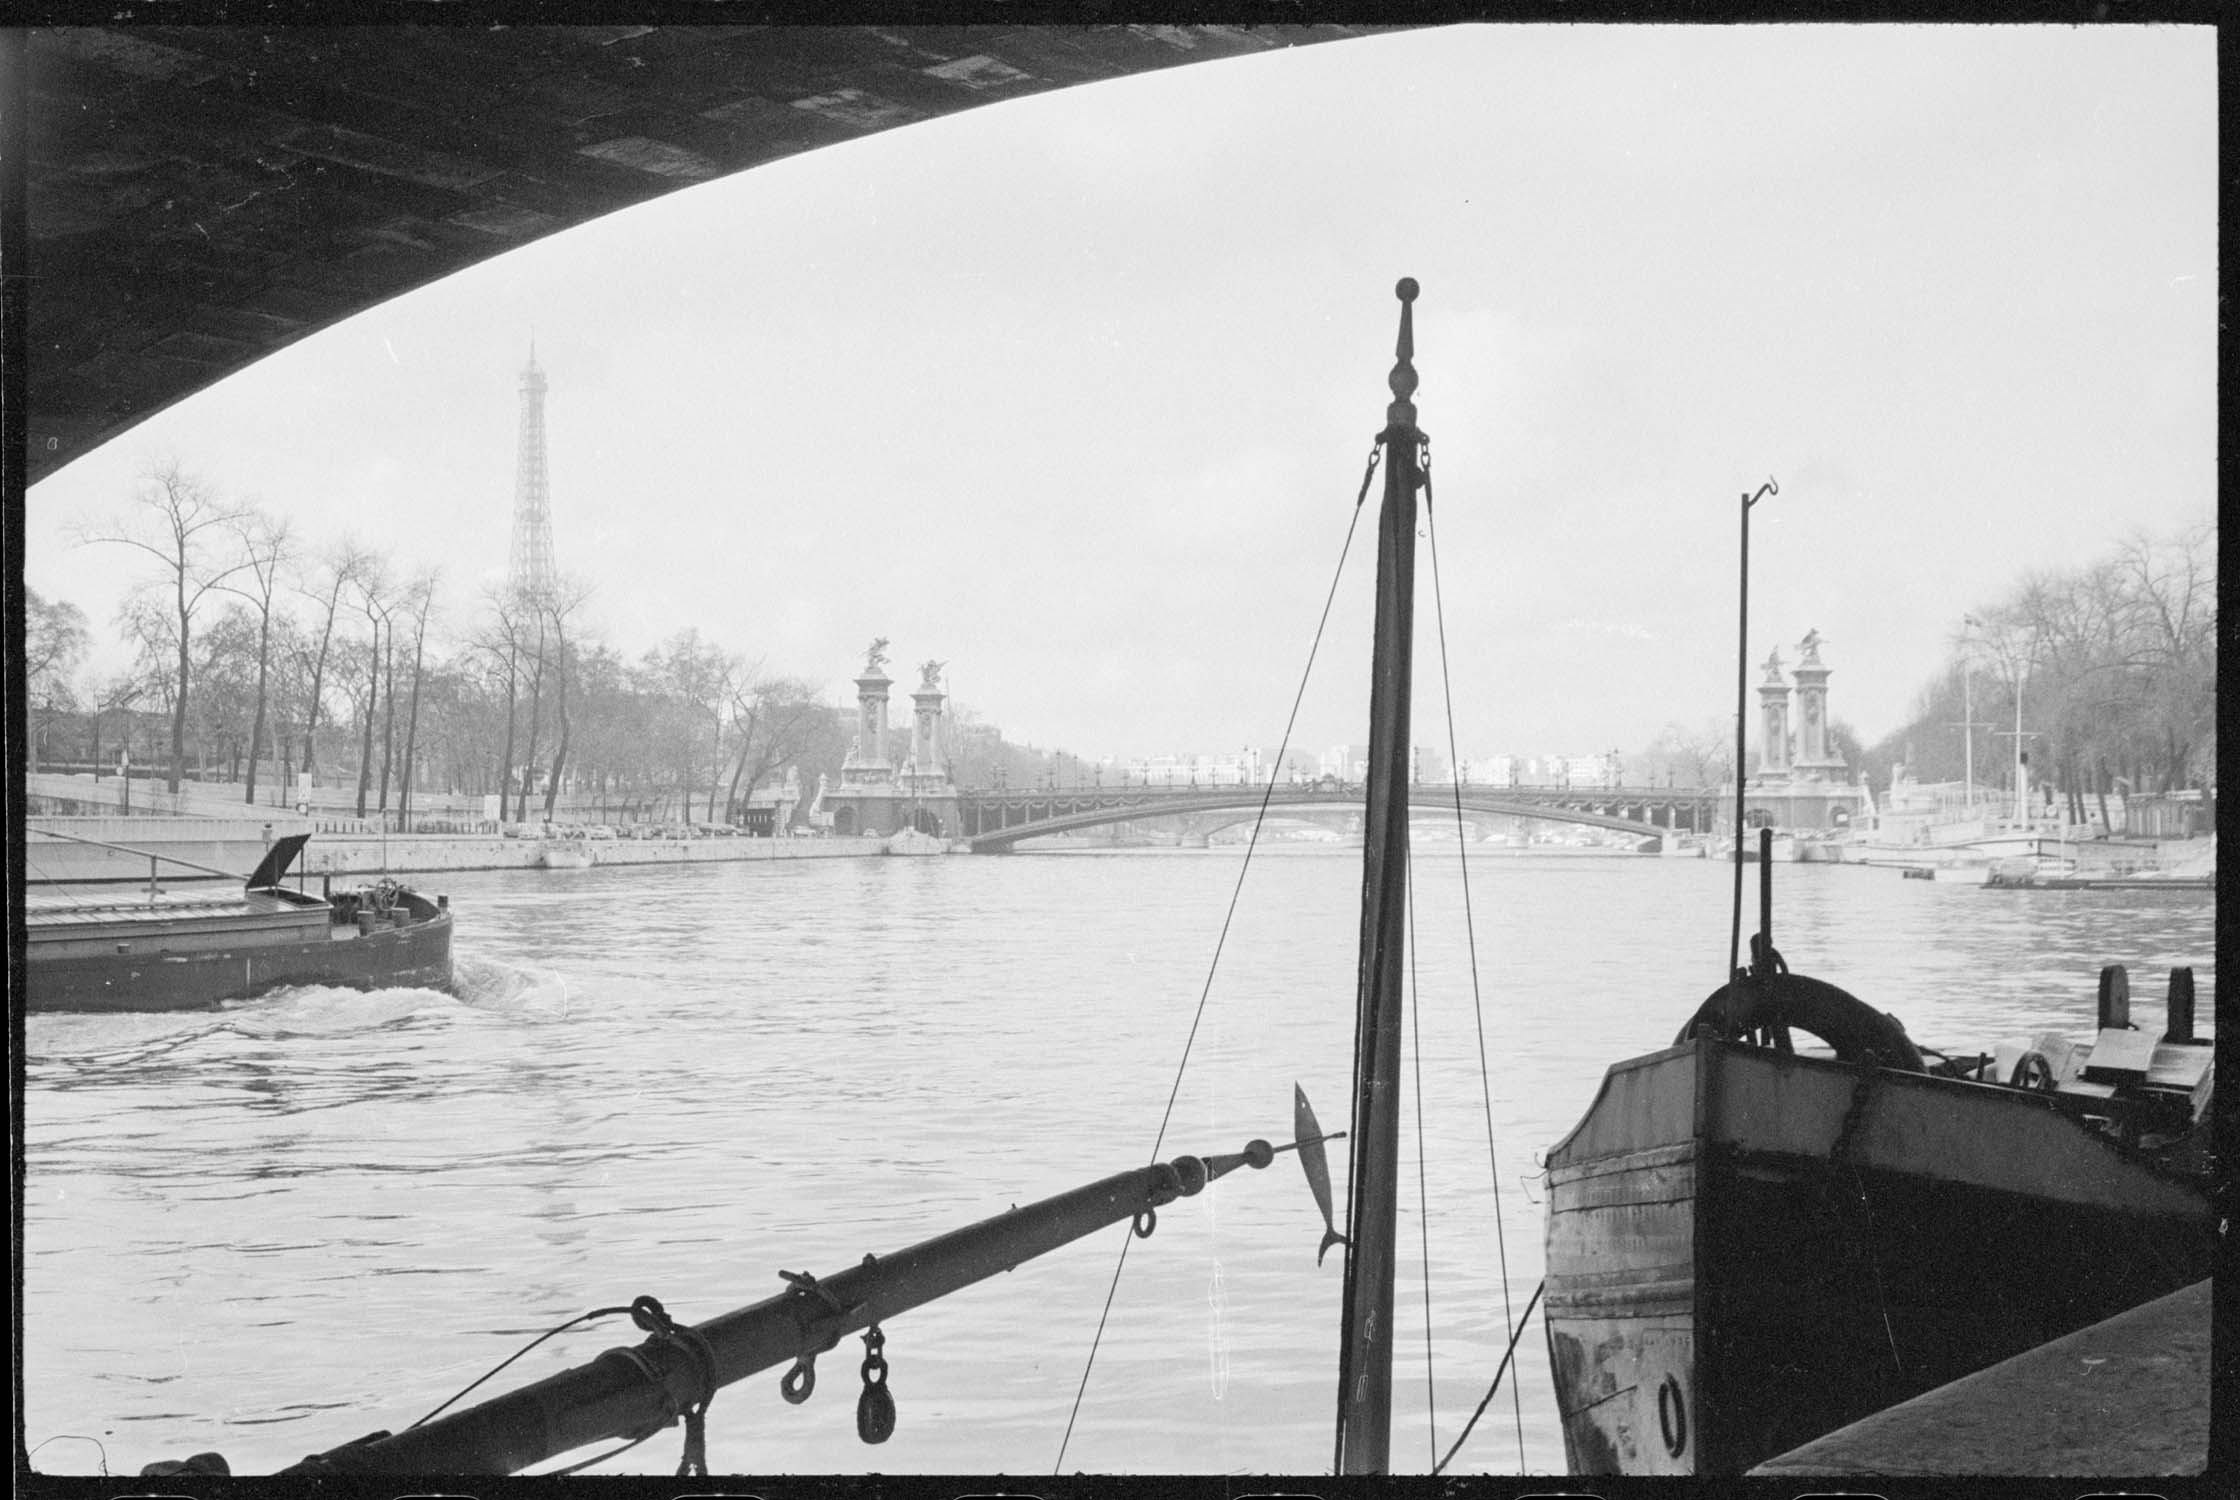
(1309, 1138)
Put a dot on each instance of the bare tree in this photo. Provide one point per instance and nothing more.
(506, 640)
(728, 671)
(420, 600)
(372, 582)
(2172, 619)
(55, 640)
(558, 604)
(1700, 757)
(686, 677)
(775, 720)
(338, 570)
(530, 639)
(179, 517)
(266, 549)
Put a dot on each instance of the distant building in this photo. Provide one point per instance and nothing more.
(1345, 762)
(1246, 767)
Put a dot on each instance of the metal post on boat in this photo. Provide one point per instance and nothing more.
(2178, 1011)
(1365, 1345)
(2115, 998)
(1765, 892)
(1741, 723)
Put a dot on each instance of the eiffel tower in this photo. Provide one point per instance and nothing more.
(530, 571)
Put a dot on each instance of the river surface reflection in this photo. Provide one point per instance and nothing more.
(269, 1230)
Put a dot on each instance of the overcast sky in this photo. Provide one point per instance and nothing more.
(1074, 392)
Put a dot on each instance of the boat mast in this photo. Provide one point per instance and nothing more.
(1365, 1346)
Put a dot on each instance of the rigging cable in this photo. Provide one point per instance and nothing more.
(1507, 1355)
(597, 1312)
(1470, 931)
(1204, 994)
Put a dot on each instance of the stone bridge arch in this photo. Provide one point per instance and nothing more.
(284, 178)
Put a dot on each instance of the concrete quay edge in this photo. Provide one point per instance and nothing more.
(415, 854)
(2127, 1397)
(434, 855)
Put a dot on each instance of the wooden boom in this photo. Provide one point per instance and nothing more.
(627, 1392)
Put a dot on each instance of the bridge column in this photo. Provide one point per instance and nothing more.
(1773, 695)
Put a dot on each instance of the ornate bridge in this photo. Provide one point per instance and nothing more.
(994, 822)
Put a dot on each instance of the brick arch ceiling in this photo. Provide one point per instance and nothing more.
(199, 197)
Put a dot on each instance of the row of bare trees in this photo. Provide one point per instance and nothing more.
(241, 634)
(268, 655)
(2109, 673)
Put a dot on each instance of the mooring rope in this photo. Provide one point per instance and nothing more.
(1470, 931)
(1205, 993)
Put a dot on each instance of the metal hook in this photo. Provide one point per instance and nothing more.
(800, 1382)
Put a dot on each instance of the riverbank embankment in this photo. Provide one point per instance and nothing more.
(235, 845)
(2126, 1397)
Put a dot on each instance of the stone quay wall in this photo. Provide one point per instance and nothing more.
(237, 844)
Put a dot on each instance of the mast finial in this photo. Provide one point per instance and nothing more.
(1403, 381)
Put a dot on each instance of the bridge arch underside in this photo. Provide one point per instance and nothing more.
(1213, 815)
(198, 197)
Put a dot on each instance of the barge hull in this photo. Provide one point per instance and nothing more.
(1747, 1250)
(416, 956)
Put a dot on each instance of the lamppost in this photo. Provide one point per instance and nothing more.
(2018, 672)
(1970, 625)
(1741, 712)
(2021, 757)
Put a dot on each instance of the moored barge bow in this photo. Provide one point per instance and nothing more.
(1748, 1248)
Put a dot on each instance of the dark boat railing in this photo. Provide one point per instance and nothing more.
(279, 855)
(151, 856)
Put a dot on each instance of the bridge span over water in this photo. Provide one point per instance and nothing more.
(995, 822)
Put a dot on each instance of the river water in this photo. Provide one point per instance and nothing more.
(269, 1230)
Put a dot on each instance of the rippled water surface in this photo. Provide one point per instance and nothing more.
(268, 1230)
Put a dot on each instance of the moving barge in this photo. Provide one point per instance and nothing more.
(161, 950)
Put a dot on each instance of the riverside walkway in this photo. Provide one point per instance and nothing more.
(2125, 1398)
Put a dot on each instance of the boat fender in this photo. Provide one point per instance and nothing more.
(1672, 1417)
(1856, 1030)
(875, 1407)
